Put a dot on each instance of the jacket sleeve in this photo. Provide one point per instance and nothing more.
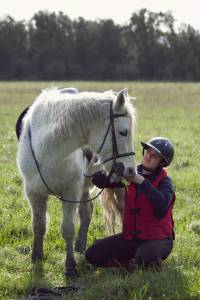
(101, 180)
(160, 197)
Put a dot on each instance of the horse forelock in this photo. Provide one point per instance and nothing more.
(65, 113)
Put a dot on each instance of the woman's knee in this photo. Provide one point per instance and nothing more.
(92, 257)
(153, 252)
(89, 255)
(103, 251)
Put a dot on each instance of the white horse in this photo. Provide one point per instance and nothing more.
(50, 158)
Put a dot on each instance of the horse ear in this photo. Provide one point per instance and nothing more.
(121, 98)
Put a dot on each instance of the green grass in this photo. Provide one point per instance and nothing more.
(167, 109)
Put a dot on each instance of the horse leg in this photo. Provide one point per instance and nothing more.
(39, 208)
(85, 214)
(68, 234)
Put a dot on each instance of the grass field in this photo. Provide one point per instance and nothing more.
(167, 109)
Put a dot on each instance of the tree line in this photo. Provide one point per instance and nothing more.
(53, 47)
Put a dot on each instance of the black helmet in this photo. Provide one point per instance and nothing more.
(163, 147)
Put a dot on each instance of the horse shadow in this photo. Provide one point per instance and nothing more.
(37, 280)
(171, 283)
(41, 288)
(37, 276)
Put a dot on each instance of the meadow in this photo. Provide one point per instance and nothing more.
(164, 109)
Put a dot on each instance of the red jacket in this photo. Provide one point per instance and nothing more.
(139, 217)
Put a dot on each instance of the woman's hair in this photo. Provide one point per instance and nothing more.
(113, 207)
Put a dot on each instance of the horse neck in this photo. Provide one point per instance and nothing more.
(84, 126)
(91, 130)
(96, 134)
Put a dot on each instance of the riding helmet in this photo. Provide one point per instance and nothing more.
(163, 147)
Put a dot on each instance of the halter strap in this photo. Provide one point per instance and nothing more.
(44, 181)
(114, 157)
(114, 140)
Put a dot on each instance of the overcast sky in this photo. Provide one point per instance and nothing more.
(120, 11)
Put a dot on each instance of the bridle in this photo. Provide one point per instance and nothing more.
(115, 152)
(115, 155)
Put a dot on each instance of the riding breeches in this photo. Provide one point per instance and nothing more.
(116, 251)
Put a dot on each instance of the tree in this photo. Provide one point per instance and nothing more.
(51, 45)
(98, 48)
(149, 37)
(185, 54)
(13, 49)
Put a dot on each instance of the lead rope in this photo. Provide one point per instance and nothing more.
(46, 185)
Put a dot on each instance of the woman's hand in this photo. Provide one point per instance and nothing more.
(138, 179)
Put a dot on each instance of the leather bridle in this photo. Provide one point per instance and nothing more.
(115, 152)
(115, 155)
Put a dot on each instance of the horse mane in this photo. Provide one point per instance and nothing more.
(65, 112)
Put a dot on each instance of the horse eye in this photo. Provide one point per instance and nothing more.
(124, 132)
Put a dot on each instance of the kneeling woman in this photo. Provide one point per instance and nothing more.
(147, 237)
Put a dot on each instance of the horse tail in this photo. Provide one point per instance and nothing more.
(18, 126)
(113, 208)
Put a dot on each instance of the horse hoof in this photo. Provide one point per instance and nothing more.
(80, 248)
(71, 273)
(36, 258)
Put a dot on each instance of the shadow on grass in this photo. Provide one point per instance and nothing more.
(41, 285)
(37, 275)
(172, 284)
(37, 279)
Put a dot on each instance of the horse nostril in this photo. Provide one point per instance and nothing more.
(130, 171)
(118, 168)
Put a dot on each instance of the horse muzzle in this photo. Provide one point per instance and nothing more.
(119, 170)
(130, 172)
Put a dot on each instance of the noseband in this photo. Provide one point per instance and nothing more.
(115, 152)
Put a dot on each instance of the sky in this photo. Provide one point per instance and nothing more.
(187, 12)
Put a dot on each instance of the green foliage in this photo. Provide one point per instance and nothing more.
(13, 50)
(53, 47)
(167, 109)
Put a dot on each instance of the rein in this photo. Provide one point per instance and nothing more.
(113, 157)
(44, 181)
(111, 125)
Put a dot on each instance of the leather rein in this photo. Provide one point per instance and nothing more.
(113, 157)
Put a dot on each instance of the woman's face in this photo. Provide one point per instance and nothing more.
(151, 159)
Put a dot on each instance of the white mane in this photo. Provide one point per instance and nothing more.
(65, 112)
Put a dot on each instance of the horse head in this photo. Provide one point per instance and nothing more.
(116, 147)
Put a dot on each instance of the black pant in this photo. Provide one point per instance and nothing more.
(108, 251)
